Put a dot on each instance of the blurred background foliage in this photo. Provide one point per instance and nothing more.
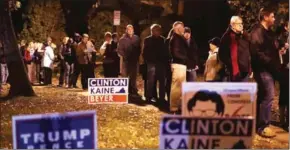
(58, 18)
(43, 18)
(103, 22)
(249, 10)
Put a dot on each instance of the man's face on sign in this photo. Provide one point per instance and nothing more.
(204, 109)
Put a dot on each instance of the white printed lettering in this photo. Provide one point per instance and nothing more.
(168, 123)
(38, 137)
(80, 144)
(25, 137)
(67, 145)
(56, 136)
(84, 132)
(72, 135)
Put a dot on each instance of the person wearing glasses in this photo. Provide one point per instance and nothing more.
(206, 103)
(234, 52)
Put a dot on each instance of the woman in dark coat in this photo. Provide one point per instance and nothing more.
(111, 58)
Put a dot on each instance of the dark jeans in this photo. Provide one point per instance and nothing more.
(143, 71)
(86, 74)
(62, 67)
(156, 72)
(191, 76)
(47, 75)
(284, 88)
(76, 73)
(38, 72)
(168, 80)
(265, 97)
(129, 69)
(111, 70)
(68, 73)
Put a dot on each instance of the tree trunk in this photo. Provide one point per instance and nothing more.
(18, 79)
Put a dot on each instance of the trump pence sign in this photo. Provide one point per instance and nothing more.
(73, 130)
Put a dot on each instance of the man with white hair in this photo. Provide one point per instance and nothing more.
(234, 52)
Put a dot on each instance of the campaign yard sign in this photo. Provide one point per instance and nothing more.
(219, 99)
(72, 130)
(178, 132)
(108, 90)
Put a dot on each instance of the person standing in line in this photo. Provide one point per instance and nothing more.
(29, 58)
(284, 77)
(108, 49)
(62, 66)
(38, 54)
(92, 57)
(3, 67)
(168, 66)
(68, 60)
(265, 65)
(192, 62)
(83, 54)
(155, 56)
(47, 64)
(234, 51)
(213, 65)
(179, 52)
(77, 70)
(129, 49)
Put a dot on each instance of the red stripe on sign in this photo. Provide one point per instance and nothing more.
(107, 99)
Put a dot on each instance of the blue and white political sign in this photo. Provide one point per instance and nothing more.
(72, 130)
(108, 90)
(219, 99)
(178, 132)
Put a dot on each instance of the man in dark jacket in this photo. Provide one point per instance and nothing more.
(284, 76)
(129, 49)
(156, 57)
(77, 70)
(192, 56)
(265, 65)
(234, 51)
(179, 50)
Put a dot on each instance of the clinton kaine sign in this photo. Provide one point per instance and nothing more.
(108, 90)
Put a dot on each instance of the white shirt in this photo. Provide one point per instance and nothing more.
(104, 46)
(48, 57)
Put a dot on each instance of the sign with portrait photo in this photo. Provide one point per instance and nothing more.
(219, 99)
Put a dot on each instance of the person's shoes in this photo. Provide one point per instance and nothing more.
(266, 133)
(135, 95)
(178, 112)
(162, 102)
(285, 127)
(75, 87)
(151, 100)
(59, 85)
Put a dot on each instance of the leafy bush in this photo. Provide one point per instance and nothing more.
(44, 18)
(103, 22)
(249, 10)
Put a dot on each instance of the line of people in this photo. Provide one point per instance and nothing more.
(232, 58)
(75, 56)
(173, 60)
